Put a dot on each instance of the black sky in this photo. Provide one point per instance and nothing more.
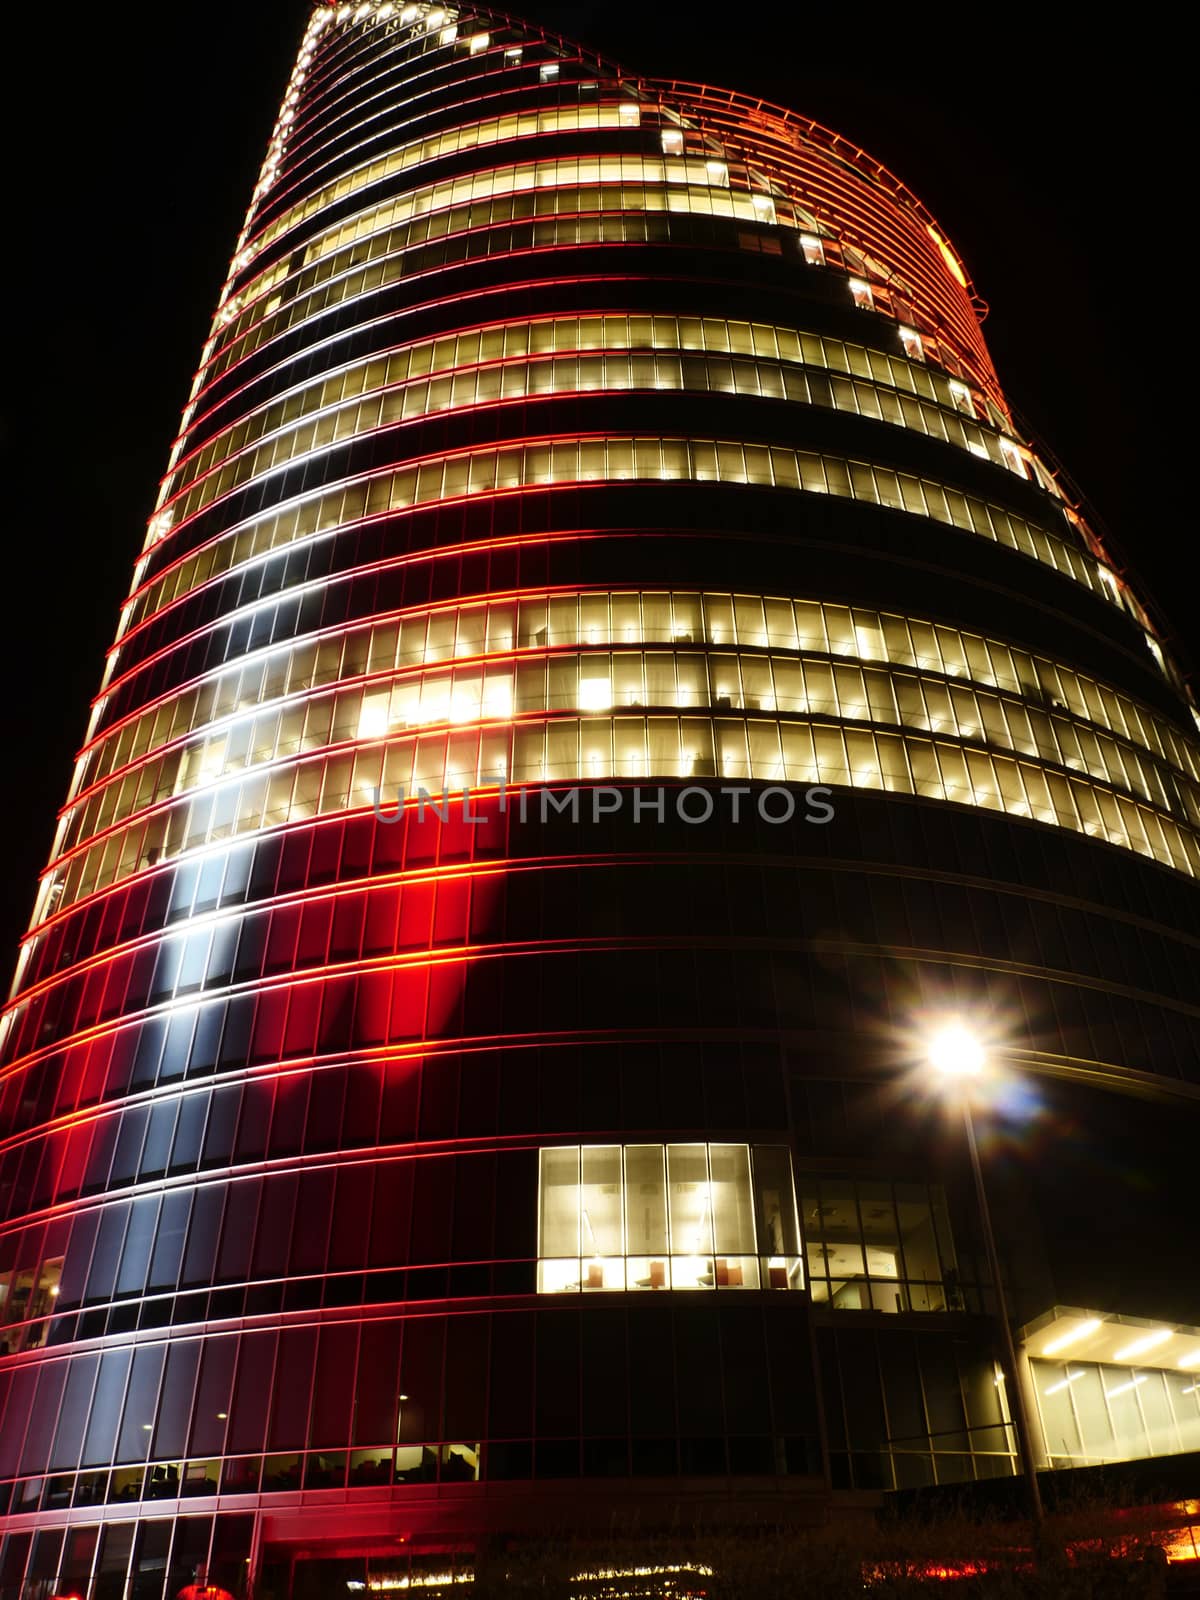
(1056, 161)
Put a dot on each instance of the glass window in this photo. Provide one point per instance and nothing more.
(878, 1246)
(646, 1215)
(602, 1217)
(1092, 1414)
(690, 1213)
(657, 1217)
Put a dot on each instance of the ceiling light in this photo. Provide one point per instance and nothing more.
(1080, 1331)
(1148, 1341)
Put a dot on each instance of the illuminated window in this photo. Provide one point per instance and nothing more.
(911, 340)
(861, 291)
(1013, 458)
(878, 1246)
(1092, 1413)
(680, 1216)
(24, 1321)
(595, 694)
(478, 42)
(961, 396)
(548, 71)
(672, 141)
(814, 250)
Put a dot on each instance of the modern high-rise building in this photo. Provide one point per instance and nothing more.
(389, 1174)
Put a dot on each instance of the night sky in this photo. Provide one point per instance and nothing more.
(1051, 170)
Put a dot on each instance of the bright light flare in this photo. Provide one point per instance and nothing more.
(956, 1052)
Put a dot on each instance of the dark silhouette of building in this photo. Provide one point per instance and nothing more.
(389, 1173)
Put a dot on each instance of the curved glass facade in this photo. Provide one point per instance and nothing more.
(603, 657)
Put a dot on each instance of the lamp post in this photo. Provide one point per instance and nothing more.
(957, 1056)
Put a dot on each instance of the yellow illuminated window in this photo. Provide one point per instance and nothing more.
(680, 1216)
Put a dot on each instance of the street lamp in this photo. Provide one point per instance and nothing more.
(957, 1055)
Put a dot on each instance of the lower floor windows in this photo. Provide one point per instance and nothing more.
(679, 1216)
(1091, 1413)
(877, 1246)
(723, 1216)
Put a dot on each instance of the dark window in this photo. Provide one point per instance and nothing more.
(158, 1139)
(466, 1378)
(352, 1208)
(175, 1404)
(106, 1408)
(310, 1235)
(189, 1550)
(253, 1392)
(238, 1232)
(604, 1372)
(107, 1254)
(333, 1389)
(72, 1418)
(390, 1215)
(141, 1404)
(744, 1364)
(139, 1241)
(189, 1133)
(201, 1252)
(420, 1381)
(150, 1560)
(557, 1393)
(697, 1363)
(293, 1389)
(129, 1146)
(43, 1417)
(511, 1389)
(77, 1559)
(376, 1394)
(210, 1416)
(116, 1546)
(168, 1244)
(432, 1203)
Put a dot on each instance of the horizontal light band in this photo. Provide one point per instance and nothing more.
(625, 458)
(427, 636)
(636, 746)
(609, 370)
(633, 677)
